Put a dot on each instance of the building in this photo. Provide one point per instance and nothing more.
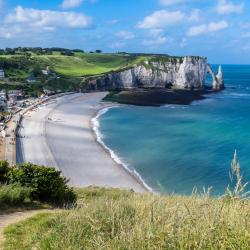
(15, 95)
(2, 74)
(31, 78)
(3, 104)
(47, 71)
(3, 100)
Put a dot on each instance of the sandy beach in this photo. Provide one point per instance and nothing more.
(59, 134)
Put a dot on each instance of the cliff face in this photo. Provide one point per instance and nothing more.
(180, 73)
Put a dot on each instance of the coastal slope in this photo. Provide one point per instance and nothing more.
(60, 134)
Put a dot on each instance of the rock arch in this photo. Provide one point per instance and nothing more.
(218, 82)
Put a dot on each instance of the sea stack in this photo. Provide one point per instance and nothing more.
(218, 81)
(220, 78)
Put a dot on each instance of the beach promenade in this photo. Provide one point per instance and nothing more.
(59, 134)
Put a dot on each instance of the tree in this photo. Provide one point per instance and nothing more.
(98, 51)
(37, 71)
(67, 53)
(47, 184)
(4, 169)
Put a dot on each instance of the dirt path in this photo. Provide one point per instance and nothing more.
(12, 218)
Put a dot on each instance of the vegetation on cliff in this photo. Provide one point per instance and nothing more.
(27, 183)
(79, 64)
(71, 68)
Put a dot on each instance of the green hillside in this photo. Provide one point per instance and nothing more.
(84, 63)
(80, 64)
(76, 65)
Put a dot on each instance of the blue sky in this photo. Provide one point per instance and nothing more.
(218, 29)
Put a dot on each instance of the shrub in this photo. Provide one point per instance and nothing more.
(47, 184)
(4, 168)
(14, 195)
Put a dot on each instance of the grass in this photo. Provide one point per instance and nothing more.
(81, 64)
(116, 219)
(14, 196)
(84, 64)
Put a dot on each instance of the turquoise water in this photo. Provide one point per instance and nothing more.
(175, 148)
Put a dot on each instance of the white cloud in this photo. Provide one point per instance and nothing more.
(7, 33)
(14, 31)
(69, 4)
(161, 19)
(207, 28)
(24, 22)
(195, 15)
(126, 35)
(48, 18)
(171, 2)
(155, 32)
(155, 37)
(183, 43)
(158, 41)
(227, 7)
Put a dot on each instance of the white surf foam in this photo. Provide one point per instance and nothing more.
(175, 106)
(114, 156)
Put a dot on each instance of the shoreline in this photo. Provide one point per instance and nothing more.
(70, 139)
(95, 125)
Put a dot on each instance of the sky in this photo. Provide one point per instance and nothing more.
(217, 29)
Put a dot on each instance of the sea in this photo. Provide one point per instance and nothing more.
(179, 149)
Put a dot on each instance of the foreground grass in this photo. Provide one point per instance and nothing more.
(115, 219)
(15, 198)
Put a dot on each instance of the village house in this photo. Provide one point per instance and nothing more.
(16, 95)
(47, 71)
(3, 100)
(31, 79)
(2, 74)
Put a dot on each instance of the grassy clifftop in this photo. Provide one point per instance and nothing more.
(84, 63)
(116, 219)
(79, 64)
(72, 71)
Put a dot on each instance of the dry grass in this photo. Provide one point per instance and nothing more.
(114, 219)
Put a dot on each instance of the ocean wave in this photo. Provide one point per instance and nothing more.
(239, 94)
(201, 102)
(175, 106)
(235, 95)
(96, 128)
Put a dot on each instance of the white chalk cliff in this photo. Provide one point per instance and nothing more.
(180, 73)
